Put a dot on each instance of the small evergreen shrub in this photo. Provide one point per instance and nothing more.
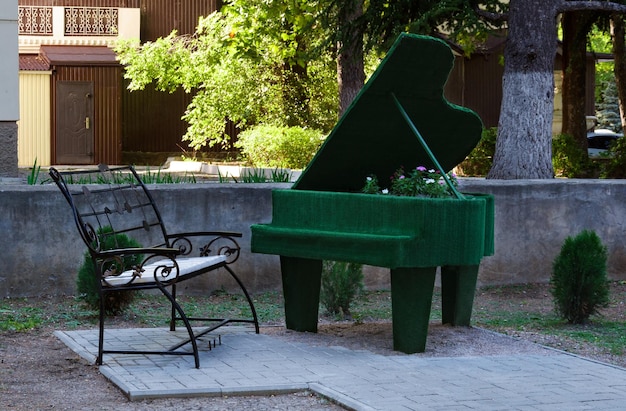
(279, 147)
(614, 166)
(479, 161)
(607, 110)
(569, 160)
(579, 282)
(87, 282)
(341, 283)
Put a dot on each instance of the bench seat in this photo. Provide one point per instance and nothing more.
(186, 267)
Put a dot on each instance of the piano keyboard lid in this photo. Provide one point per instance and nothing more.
(401, 104)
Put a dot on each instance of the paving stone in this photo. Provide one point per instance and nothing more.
(246, 363)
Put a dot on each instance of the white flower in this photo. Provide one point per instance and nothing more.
(431, 170)
(369, 178)
(430, 181)
(385, 191)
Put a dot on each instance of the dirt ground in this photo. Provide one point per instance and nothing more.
(39, 372)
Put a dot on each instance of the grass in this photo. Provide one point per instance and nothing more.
(148, 177)
(151, 177)
(19, 320)
(33, 176)
(257, 175)
(512, 310)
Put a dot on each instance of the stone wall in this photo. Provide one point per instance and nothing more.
(42, 253)
(533, 218)
(8, 149)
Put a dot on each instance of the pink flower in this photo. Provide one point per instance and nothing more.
(421, 168)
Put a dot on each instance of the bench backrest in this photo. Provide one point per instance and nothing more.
(109, 202)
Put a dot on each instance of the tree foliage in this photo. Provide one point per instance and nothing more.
(608, 109)
(247, 64)
(275, 62)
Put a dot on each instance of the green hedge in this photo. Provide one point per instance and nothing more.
(282, 147)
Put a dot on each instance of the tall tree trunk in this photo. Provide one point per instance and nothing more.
(524, 142)
(295, 95)
(576, 26)
(619, 50)
(350, 66)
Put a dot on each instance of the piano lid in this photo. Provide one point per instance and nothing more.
(374, 136)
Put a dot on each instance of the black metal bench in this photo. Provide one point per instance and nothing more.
(109, 202)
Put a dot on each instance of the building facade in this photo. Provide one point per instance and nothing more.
(74, 106)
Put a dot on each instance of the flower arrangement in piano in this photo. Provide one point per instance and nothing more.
(418, 182)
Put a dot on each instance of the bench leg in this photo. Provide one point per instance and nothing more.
(302, 279)
(411, 298)
(458, 286)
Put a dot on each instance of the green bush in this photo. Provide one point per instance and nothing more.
(282, 147)
(614, 165)
(479, 161)
(341, 284)
(87, 282)
(570, 160)
(579, 282)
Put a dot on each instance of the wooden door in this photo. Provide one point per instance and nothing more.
(74, 122)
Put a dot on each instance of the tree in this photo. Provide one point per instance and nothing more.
(523, 146)
(576, 26)
(350, 71)
(281, 62)
(619, 54)
(248, 64)
(608, 112)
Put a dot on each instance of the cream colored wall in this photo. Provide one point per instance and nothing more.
(34, 127)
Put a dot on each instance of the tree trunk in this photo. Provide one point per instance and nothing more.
(524, 143)
(619, 49)
(295, 95)
(576, 25)
(350, 67)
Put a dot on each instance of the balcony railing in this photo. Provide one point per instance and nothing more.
(78, 21)
(35, 20)
(91, 21)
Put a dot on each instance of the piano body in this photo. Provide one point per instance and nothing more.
(399, 118)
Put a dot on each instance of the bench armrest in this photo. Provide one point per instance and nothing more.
(222, 243)
(165, 251)
(205, 234)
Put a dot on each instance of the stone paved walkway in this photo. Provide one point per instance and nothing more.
(246, 363)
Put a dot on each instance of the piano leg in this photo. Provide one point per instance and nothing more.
(411, 299)
(301, 290)
(458, 286)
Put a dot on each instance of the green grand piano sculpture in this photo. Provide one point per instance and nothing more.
(399, 118)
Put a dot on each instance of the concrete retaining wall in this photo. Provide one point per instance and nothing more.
(41, 251)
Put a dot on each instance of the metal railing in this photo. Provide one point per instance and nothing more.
(35, 20)
(91, 21)
(78, 21)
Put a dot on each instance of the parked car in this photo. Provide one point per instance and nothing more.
(600, 140)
